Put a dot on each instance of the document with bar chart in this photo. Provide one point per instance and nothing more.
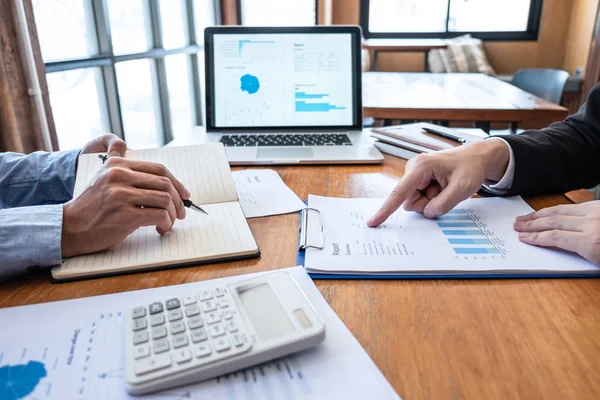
(474, 239)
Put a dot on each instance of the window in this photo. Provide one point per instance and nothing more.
(278, 12)
(484, 19)
(132, 67)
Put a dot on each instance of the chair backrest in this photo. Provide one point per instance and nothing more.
(543, 82)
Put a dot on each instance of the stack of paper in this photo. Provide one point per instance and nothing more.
(78, 355)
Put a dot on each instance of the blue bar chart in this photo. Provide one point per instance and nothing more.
(465, 235)
(303, 106)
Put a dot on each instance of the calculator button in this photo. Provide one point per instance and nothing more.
(212, 318)
(223, 303)
(140, 337)
(199, 335)
(157, 319)
(160, 346)
(182, 356)
(139, 324)
(138, 312)
(153, 364)
(180, 341)
(159, 332)
(177, 327)
(156, 308)
(232, 327)
(238, 340)
(216, 330)
(174, 315)
(172, 304)
(227, 314)
(189, 300)
(219, 292)
(141, 352)
(209, 306)
(203, 350)
(206, 295)
(195, 323)
(191, 311)
(222, 345)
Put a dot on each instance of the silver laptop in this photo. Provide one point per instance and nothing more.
(286, 95)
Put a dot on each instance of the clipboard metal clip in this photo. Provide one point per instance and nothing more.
(304, 229)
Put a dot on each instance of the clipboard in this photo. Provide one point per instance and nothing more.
(303, 244)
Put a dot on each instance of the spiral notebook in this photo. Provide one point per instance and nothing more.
(222, 235)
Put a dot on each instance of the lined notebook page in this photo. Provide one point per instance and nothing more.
(203, 169)
(221, 234)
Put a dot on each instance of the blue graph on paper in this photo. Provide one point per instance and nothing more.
(467, 235)
(18, 381)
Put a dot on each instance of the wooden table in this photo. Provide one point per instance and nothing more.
(432, 339)
(475, 98)
(403, 46)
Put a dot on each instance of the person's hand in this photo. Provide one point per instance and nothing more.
(108, 143)
(434, 183)
(573, 227)
(125, 195)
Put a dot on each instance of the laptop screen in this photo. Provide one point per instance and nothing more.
(284, 80)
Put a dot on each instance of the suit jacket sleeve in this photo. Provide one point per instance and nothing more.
(563, 157)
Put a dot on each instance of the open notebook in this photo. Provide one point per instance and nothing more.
(222, 235)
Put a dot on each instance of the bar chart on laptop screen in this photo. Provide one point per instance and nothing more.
(469, 236)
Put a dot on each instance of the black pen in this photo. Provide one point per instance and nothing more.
(187, 203)
(190, 204)
(446, 135)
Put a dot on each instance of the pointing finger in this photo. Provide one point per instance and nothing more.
(405, 188)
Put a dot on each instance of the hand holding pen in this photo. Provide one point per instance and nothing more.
(186, 202)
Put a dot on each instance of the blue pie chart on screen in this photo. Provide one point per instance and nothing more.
(19, 381)
(249, 83)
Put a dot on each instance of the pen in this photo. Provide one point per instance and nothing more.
(187, 203)
(446, 135)
(190, 204)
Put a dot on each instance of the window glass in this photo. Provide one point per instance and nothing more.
(278, 13)
(65, 21)
(139, 104)
(78, 106)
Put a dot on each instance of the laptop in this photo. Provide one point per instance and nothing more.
(286, 95)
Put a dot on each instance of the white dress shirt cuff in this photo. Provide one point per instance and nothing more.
(503, 185)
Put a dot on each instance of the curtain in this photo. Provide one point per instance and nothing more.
(19, 129)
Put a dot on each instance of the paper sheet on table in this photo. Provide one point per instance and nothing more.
(262, 192)
(78, 354)
(476, 237)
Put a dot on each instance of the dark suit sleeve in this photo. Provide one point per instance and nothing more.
(563, 157)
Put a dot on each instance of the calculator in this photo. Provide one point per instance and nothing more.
(217, 330)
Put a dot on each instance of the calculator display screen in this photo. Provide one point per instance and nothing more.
(266, 314)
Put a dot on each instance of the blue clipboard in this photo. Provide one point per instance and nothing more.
(300, 259)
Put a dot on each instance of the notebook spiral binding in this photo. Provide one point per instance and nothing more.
(304, 229)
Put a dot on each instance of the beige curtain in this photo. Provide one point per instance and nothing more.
(19, 130)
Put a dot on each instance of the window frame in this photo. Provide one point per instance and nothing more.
(531, 34)
(106, 60)
(238, 5)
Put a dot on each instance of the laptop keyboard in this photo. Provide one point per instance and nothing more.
(287, 139)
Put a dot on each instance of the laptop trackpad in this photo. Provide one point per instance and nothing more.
(290, 152)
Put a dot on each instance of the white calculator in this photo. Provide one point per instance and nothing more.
(217, 330)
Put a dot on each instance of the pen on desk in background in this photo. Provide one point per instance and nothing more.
(446, 135)
(188, 203)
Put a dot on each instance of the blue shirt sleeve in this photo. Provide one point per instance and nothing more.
(37, 179)
(32, 188)
(30, 237)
